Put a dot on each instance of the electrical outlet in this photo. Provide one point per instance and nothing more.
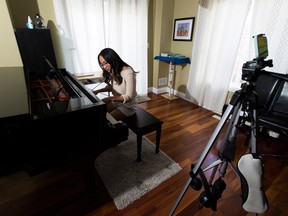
(163, 81)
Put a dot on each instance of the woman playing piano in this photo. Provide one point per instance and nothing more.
(121, 81)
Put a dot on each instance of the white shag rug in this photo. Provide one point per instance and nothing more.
(127, 180)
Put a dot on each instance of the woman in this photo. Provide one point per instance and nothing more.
(121, 81)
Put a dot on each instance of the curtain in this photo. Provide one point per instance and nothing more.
(267, 17)
(88, 26)
(223, 42)
(218, 33)
(274, 22)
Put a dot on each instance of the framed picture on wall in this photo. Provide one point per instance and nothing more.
(183, 29)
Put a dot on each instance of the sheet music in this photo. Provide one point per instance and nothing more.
(95, 86)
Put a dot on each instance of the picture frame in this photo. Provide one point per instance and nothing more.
(183, 29)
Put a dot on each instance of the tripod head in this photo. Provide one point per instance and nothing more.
(252, 69)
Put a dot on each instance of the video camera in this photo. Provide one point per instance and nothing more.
(251, 69)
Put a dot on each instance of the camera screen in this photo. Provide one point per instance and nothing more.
(261, 46)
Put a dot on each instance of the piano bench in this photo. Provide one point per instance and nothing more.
(141, 123)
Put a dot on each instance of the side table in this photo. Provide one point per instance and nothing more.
(172, 62)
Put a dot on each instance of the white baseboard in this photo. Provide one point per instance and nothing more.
(166, 90)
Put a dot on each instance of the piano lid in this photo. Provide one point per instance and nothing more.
(59, 93)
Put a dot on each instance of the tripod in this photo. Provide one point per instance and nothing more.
(242, 106)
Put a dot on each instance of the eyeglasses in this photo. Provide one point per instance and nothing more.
(104, 64)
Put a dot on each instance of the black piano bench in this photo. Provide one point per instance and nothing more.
(141, 123)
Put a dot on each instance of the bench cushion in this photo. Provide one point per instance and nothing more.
(142, 121)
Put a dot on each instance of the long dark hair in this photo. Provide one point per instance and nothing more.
(116, 63)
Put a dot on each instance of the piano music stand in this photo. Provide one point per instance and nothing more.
(94, 77)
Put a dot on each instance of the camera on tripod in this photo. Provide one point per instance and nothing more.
(242, 106)
(252, 69)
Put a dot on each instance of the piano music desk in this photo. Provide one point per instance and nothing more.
(90, 78)
(93, 81)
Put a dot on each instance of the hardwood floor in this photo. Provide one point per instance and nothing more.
(185, 132)
(66, 191)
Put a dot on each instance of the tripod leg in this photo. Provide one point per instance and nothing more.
(227, 152)
(234, 169)
(180, 196)
(204, 154)
(228, 148)
(237, 97)
(253, 132)
(213, 138)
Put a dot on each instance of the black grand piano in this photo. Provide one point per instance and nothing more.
(66, 119)
(66, 128)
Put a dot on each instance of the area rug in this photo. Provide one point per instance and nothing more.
(142, 99)
(127, 180)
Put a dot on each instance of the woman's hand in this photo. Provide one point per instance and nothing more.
(95, 92)
(107, 100)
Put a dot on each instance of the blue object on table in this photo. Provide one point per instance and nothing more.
(174, 60)
(180, 60)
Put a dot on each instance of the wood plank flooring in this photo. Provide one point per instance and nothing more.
(185, 132)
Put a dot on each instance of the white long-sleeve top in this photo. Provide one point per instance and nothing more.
(127, 89)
